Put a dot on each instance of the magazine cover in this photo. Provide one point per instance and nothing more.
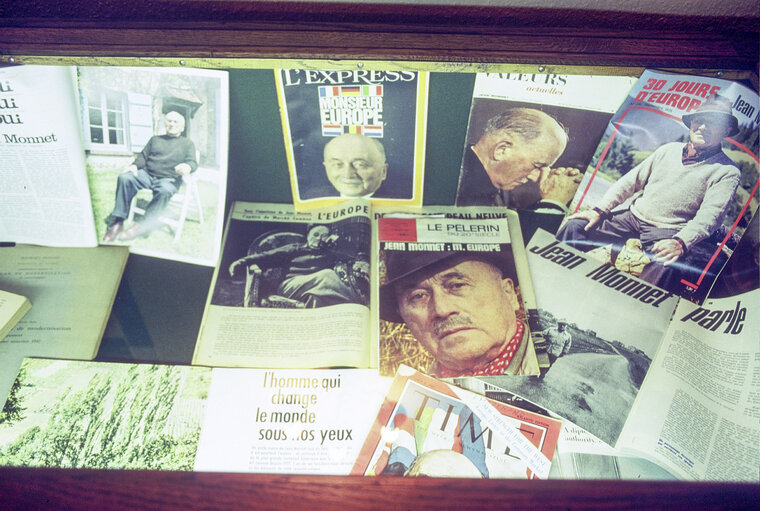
(602, 327)
(673, 184)
(291, 289)
(156, 153)
(354, 133)
(531, 136)
(429, 428)
(453, 293)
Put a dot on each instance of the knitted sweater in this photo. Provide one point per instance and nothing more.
(692, 198)
(163, 152)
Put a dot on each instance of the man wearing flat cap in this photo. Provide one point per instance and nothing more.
(461, 307)
(680, 195)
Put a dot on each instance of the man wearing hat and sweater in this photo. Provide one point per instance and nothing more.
(680, 194)
(461, 307)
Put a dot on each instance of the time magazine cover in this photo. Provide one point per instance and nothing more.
(673, 184)
(354, 133)
(531, 136)
(426, 427)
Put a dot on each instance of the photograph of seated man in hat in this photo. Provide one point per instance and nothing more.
(667, 218)
(272, 264)
(453, 314)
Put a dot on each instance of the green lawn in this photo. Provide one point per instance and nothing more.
(197, 239)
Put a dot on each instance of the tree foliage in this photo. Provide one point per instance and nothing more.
(117, 421)
(748, 136)
(13, 408)
(619, 159)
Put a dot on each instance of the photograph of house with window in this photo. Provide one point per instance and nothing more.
(156, 151)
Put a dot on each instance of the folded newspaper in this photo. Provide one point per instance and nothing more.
(644, 371)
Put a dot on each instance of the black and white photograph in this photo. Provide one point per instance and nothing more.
(531, 137)
(292, 288)
(593, 378)
(294, 265)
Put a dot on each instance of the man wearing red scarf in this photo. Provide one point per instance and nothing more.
(461, 308)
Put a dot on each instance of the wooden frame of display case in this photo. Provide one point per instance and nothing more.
(459, 38)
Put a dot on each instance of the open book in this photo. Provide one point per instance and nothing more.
(69, 136)
(164, 417)
(644, 371)
(303, 289)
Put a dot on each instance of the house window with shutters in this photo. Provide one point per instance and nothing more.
(117, 122)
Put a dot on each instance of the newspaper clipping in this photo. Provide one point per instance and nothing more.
(44, 197)
(291, 289)
(698, 412)
(603, 328)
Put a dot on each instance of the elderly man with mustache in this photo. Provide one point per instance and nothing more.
(461, 307)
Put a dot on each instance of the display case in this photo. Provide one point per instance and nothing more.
(160, 303)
